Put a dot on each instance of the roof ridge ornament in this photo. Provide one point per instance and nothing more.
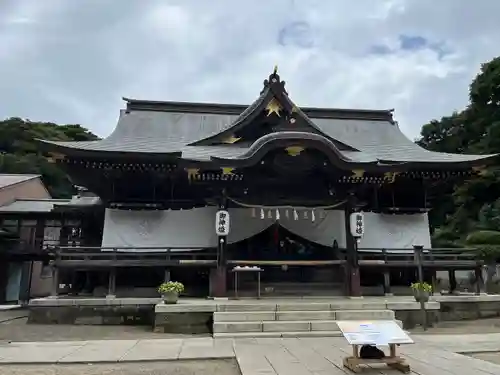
(274, 81)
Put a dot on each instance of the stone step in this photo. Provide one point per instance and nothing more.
(277, 334)
(263, 316)
(244, 316)
(301, 306)
(277, 326)
(365, 315)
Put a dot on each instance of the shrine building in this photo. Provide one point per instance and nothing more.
(283, 182)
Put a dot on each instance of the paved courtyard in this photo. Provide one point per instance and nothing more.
(213, 367)
(132, 350)
(431, 355)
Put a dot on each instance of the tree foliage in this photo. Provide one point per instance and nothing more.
(20, 153)
(467, 206)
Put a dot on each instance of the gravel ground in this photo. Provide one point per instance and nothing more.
(201, 367)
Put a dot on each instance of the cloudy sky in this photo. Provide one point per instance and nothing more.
(71, 61)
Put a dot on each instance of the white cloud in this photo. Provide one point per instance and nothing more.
(72, 61)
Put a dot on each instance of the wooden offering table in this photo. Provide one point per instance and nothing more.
(374, 333)
(236, 270)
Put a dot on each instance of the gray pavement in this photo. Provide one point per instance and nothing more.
(463, 343)
(431, 355)
(214, 367)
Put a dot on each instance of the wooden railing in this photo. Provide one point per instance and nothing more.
(132, 256)
(189, 256)
(464, 257)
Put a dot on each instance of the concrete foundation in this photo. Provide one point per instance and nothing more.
(191, 316)
(93, 311)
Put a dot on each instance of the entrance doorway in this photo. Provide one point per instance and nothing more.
(292, 265)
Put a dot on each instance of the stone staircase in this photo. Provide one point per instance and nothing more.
(299, 319)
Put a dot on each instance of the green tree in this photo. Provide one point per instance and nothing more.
(462, 207)
(487, 244)
(20, 153)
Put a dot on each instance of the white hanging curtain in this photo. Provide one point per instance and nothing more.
(192, 229)
(395, 231)
(323, 230)
(195, 229)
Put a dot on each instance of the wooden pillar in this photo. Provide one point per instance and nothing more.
(55, 281)
(166, 278)
(434, 282)
(352, 264)
(387, 283)
(452, 280)
(479, 280)
(218, 276)
(111, 283)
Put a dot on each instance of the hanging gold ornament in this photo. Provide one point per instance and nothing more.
(294, 150)
(226, 171)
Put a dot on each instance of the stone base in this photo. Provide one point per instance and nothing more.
(89, 311)
(455, 308)
(102, 315)
(413, 318)
(185, 323)
(184, 318)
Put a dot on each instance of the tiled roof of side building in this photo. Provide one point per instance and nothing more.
(31, 205)
(13, 179)
(47, 205)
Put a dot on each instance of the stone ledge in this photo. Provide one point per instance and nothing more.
(92, 315)
(242, 316)
(180, 307)
(193, 322)
(412, 305)
(468, 298)
(52, 302)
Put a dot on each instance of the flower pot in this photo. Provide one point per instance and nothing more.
(421, 295)
(170, 298)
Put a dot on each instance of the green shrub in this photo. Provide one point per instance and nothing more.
(426, 287)
(488, 253)
(171, 286)
(483, 237)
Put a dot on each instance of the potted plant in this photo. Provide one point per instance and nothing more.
(170, 291)
(421, 291)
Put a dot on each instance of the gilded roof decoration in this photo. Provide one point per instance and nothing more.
(294, 150)
(273, 107)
